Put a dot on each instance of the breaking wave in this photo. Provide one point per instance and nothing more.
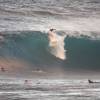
(56, 46)
(33, 46)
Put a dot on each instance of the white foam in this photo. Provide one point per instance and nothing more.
(72, 27)
(58, 49)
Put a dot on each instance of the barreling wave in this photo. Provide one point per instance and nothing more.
(33, 46)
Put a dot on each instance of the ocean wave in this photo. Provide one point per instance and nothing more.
(71, 15)
(83, 53)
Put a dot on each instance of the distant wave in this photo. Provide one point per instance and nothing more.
(82, 16)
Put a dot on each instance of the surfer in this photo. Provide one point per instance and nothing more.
(52, 31)
(27, 83)
(3, 69)
(52, 37)
(90, 81)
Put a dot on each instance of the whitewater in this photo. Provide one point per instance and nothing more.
(74, 17)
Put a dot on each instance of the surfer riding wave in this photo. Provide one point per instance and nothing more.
(56, 44)
(52, 37)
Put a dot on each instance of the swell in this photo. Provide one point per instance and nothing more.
(31, 46)
(82, 53)
(73, 15)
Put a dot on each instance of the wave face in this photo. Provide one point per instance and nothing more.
(33, 46)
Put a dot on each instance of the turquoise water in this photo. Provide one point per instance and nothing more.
(82, 53)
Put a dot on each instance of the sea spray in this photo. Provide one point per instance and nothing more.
(57, 48)
(83, 53)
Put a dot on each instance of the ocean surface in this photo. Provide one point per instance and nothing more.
(48, 89)
(81, 16)
(54, 71)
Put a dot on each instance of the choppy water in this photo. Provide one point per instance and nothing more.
(48, 89)
(69, 15)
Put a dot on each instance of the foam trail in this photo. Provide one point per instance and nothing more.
(57, 49)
